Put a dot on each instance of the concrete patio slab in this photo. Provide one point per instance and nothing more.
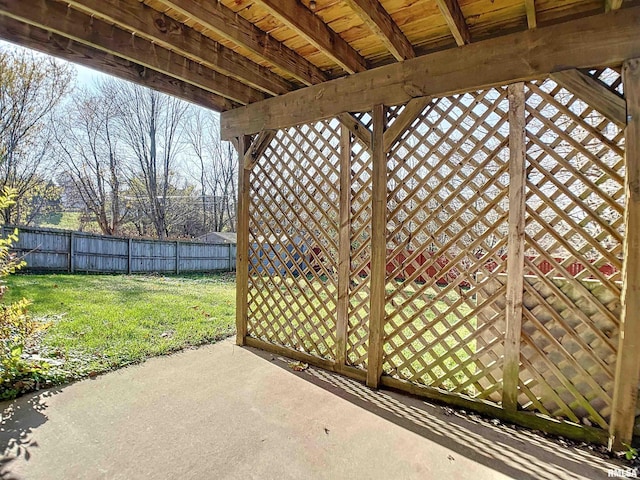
(227, 412)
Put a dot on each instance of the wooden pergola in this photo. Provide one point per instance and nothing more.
(439, 196)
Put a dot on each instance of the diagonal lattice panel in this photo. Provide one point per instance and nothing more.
(446, 246)
(359, 281)
(574, 211)
(294, 240)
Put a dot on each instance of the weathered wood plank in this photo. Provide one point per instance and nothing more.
(606, 39)
(231, 26)
(404, 120)
(309, 26)
(530, 7)
(242, 253)
(83, 28)
(455, 20)
(378, 249)
(357, 128)
(625, 395)
(515, 254)
(595, 94)
(137, 17)
(612, 5)
(257, 148)
(344, 246)
(53, 44)
(380, 22)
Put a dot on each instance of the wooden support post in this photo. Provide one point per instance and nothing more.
(72, 253)
(344, 246)
(378, 249)
(129, 255)
(177, 258)
(242, 253)
(625, 394)
(515, 253)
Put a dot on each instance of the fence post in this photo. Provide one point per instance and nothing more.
(71, 253)
(177, 257)
(242, 249)
(625, 394)
(515, 249)
(344, 246)
(378, 249)
(129, 254)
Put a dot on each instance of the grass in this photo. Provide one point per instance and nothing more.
(102, 322)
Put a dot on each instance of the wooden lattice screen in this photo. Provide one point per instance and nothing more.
(496, 282)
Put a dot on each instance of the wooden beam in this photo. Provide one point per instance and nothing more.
(357, 128)
(242, 251)
(225, 22)
(406, 118)
(80, 27)
(530, 7)
(612, 5)
(344, 246)
(52, 44)
(165, 32)
(625, 394)
(598, 96)
(309, 26)
(384, 27)
(455, 20)
(515, 254)
(602, 40)
(257, 148)
(378, 250)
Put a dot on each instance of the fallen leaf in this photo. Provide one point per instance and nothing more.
(298, 366)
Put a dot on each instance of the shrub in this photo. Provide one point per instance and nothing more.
(17, 374)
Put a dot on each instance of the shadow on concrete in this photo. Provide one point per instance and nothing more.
(18, 420)
(513, 451)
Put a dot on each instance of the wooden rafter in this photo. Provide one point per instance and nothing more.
(609, 103)
(53, 44)
(148, 23)
(530, 7)
(455, 19)
(309, 26)
(231, 26)
(80, 27)
(511, 58)
(380, 22)
(612, 5)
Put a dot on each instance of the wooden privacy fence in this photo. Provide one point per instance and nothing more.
(518, 190)
(67, 251)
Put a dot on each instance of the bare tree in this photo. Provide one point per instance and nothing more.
(88, 140)
(151, 127)
(31, 88)
(216, 167)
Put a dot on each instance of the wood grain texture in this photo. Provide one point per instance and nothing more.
(243, 144)
(455, 20)
(236, 29)
(303, 21)
(53, 44)
(148, 23)
(606, 39)
(378, 249)
(83, 28)
(625, 397)
(380, 22)
(516, 252)
(530, 7)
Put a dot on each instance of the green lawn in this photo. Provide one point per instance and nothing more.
(102, 322)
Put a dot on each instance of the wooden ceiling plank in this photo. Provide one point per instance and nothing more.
(305, 23)
(68, 22)
(146, 22)
(598, 40)
(595, 94)
(612, 5)
(455, 20)
(231, 26)
(530, 7)
(384, 27)
(50, 43)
